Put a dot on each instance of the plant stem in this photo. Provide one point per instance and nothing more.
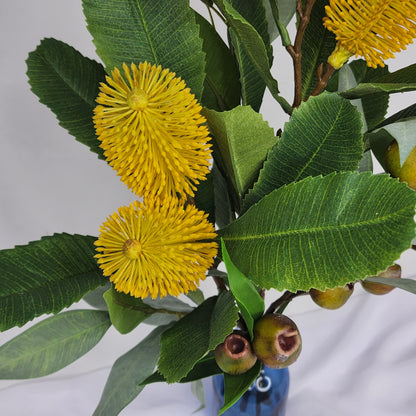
(285, 298)
(323, 79)
(295, 51)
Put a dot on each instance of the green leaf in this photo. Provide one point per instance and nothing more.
(52, 344)
(183, 345)
(204, 198)
(317, 44)
(205, 367)
(243, 139)
(223, 206)
(373, 107)
(402, 114)
(126, 312)
(128, 372)
(323, 232)
(197, 389)
(247, 296)
(221, 87)
(286, 10)
(254, 47)
(399, 81)
(46, 276)
(406, 284)
(95, 297)
(402, 131)
(67, 83)
(167, 309)
(196, 296)
(163, 33)
(236, 386)
(252, 83)
(331, 142)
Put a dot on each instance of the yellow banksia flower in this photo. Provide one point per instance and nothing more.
(156, 249)
(373, 29)
(152, 131)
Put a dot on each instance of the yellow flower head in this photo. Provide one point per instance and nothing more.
(152, 132)
(157, 249)
(373, 29)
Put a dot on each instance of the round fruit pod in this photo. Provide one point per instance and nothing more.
(235, 355)
(276, 342)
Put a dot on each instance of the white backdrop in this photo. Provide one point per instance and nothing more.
(360, 359)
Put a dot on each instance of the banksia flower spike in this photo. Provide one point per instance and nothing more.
(373, 29)
(156, 249)
(152, 132)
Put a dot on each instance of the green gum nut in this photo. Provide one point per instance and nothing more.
(392, 272)
(277, 342)
(332, 298)
(235, 355)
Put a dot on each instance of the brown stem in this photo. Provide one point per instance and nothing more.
(286, 297)
(323, 79)
(295, 51)
(220, 284)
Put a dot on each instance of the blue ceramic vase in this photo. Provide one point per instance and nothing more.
(266, 397)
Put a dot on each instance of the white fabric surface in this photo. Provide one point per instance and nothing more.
(359, 360)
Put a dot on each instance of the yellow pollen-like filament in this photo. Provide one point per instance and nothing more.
(132, 249)
(137, 100)
(152, 132)
(156, 248)
(373, 29)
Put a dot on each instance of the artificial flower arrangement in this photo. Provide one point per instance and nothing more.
(174, 111)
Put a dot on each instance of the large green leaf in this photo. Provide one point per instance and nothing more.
(68, 83)
(222, 86)
(52, 344)
(318, 43)
(236, 386)
(400, 81)
(254, 47)
(323, 232)
(247, 296)
(331, 142)
(252, 83)
(128, 372)
(199, 332)
(163, 33)
(243, 138)
(46, 276)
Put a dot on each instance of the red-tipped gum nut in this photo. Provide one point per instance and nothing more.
(234, 355)
(277, 342)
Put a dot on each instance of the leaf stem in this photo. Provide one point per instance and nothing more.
(285, 299)
(295, 51)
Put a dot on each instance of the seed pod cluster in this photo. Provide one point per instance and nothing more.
(276, 343)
